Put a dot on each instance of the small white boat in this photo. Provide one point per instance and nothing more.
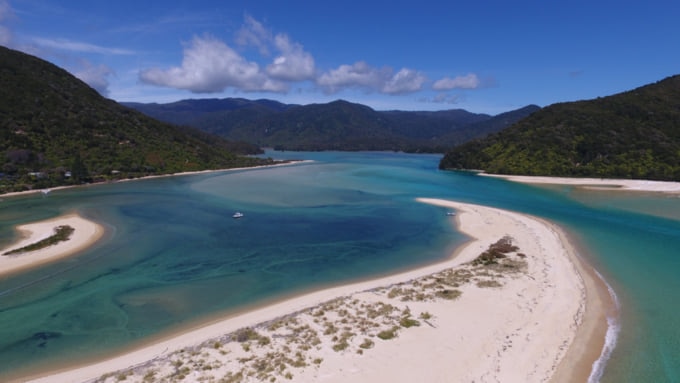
(450, 213)
(238, 214)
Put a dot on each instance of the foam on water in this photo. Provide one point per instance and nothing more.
(612, 335)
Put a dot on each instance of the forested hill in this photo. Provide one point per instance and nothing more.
(338, 125)
(635, 134)
(56, 130)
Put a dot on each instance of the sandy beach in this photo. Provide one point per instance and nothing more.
(597, 183)
(85, 234)
(514, 304)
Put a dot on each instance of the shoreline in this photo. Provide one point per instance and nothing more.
(535, 340)
(596, 183)
(48, 190)
(588, 354)
(86, 233)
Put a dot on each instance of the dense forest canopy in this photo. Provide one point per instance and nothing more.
(56, 130)
(634, 134)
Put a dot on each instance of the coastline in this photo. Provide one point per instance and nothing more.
(46, 191)
(591, 348)
(549, 319)
(597, 183)
(85, 234)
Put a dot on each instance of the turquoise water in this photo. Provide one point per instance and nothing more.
(173, 255)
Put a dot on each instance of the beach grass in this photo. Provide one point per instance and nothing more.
(280, 348)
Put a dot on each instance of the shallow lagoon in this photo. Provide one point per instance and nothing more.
(175, 257)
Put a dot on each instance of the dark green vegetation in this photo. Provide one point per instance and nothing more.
(338, 125)
(635, 134)
(495, 252)
(61, 233)
(56, 130)
(407, 321)
(388, 334)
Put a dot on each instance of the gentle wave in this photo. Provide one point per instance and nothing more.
(612, 335)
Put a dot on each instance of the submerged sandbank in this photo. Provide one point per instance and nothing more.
(597, 183)
(84, 235)
(526, 318)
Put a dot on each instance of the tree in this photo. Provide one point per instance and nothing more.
(79, 171)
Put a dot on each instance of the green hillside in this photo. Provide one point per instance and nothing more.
(56, 130)
(635, 134)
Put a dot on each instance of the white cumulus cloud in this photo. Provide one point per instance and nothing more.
(359, 74)
(293, 64)
(254, 33)
(209, 66)
(404, 81)
(469, 81)
(363, 76)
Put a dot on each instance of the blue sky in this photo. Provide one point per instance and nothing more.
(483, 56)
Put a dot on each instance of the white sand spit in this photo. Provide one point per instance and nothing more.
(597, 183)
(509, 316)
(85, 234)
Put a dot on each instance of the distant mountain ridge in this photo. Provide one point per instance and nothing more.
(338, 125)
(56, 130)
(634, 134)
(184, 112)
